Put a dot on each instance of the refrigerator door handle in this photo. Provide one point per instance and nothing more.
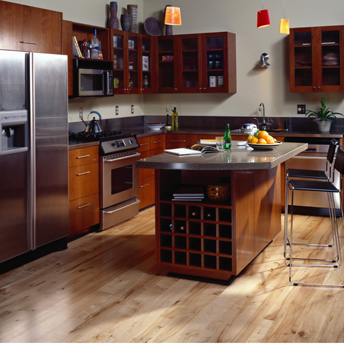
(32, 148)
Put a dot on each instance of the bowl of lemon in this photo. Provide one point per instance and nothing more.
(262, 140)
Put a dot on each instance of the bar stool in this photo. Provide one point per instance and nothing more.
(327, 174)
(323, 175)
(319, 186)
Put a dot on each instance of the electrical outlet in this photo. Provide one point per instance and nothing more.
(301, 109)
(116, 110)
(81, 112)
(132, 109)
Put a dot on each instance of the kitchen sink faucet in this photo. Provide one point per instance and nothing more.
(265, 125)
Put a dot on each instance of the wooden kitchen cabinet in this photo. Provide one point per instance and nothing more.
(183, 140)
(132, 55)
(32, 29)
(83, 189)
(81, 32)
(197, 63)
(316, 59)
(149, 146)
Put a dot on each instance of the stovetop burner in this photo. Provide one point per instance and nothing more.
(86, 136)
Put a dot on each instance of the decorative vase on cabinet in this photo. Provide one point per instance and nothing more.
(113, 23)
(132, 11)
(126, 22)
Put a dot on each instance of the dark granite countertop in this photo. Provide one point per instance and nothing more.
(238, 158)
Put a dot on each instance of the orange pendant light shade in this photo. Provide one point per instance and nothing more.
(263, 18)
(284, 26)
(173, 16)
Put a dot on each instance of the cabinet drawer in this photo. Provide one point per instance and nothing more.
(157, 142)
(144, 143)
(177, 140)
(147, 192)
(82, 156)
(83, 181)
(83, 213)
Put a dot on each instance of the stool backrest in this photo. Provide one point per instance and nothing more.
(339, 162)
(332, 151)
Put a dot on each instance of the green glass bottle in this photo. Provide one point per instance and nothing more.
(227, 139)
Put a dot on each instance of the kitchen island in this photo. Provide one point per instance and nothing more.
(216, 240)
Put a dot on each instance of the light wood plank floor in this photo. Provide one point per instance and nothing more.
(106, 287)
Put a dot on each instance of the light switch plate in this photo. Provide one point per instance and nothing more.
(301, 109)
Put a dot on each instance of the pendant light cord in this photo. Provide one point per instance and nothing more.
(284, 9)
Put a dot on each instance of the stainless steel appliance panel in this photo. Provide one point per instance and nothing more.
(13, 80)
(13, 206)
(49, 111)
(120, 179)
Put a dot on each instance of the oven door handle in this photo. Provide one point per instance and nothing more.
(126, 206)
(124, 157)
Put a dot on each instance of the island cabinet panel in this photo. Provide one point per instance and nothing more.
(83, 189)
(149, 146)
(210, 239)
(32, 29)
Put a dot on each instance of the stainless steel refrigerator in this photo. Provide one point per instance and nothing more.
(33, 152)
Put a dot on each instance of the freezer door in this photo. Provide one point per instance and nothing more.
(49, 138)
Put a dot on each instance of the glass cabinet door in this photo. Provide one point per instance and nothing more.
(133, 78)
(303, 59)
(118, 58)
(146, 76)
(190, 64)
(166, 65)
(330, 59)
(215, 63)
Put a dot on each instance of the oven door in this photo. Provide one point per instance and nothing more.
(120, 180)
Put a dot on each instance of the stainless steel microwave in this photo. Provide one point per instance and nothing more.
(92, 78)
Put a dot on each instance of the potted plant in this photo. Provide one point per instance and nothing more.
(323, 116)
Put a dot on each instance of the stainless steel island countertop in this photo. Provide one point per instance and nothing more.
(238, 158)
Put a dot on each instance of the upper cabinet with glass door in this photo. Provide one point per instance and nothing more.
(146, 79)
(219, 56)
(316, 56)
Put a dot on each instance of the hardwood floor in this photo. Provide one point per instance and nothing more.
(106, 287)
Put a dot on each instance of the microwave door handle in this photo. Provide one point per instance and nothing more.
(103, 82)
(107, 84)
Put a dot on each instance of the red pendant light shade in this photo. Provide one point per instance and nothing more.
(263, 18)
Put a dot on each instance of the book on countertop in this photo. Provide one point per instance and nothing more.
(207, 141)
(183, 151)
(203, 148)
(194, 149)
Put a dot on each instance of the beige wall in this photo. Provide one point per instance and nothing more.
(270, 86)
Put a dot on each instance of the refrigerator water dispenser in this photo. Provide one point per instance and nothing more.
(13, 129)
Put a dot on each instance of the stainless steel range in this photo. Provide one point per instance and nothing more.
(119, 180)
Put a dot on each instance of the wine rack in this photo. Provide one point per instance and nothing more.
(193, 235)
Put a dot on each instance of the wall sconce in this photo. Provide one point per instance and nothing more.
(263, 61)
(172, 15)
(263, 18)
(284, 24)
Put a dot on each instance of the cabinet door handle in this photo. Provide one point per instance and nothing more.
(84, 206)
(24, 42)
(83, 173)
(143, 144)
(177, 141)
(143, 186)
(157, 142)
(83, 156)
